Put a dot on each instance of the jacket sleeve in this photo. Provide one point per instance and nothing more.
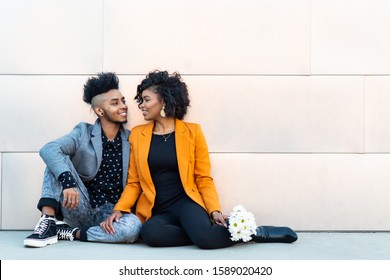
(55, 153)
(202, 173)
(132, 189)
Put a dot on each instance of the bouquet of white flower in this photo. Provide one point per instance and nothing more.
(242, 224)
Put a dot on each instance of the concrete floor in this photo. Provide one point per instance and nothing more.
(310, 246)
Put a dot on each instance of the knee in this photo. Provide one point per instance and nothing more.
(128, 228)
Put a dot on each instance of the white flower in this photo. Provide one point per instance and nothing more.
(242, 224)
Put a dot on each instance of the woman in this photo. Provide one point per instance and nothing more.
(169, 173)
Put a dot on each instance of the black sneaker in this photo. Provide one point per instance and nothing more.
(66, 232)
(44, 233)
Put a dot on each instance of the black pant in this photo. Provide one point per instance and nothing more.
(185, 223)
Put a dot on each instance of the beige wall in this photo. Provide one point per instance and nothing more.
(293, 96)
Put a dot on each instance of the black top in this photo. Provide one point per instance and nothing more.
(164, 170)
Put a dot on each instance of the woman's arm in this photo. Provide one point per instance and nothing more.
(202, 174)
(133, 188)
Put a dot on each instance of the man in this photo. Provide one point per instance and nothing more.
(85, 174)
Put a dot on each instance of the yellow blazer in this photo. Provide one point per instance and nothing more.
(194, 168)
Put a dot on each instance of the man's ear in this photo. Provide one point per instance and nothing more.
(98, 111)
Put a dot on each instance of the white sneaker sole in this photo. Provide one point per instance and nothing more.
(35, 243)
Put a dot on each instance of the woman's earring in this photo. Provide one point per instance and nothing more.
(162, 112)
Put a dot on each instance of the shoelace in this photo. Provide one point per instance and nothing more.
(65, 234)
(42, 226)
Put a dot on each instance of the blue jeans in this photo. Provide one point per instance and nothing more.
(83, 216)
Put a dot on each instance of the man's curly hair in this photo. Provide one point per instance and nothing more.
(171, 90)
(103, 83)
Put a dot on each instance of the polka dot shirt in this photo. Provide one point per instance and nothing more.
(107, 184)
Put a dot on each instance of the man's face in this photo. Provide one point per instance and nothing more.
(113, 106)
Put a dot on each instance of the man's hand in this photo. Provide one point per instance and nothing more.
(71, 198)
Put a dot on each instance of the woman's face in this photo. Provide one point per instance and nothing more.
(151, 105)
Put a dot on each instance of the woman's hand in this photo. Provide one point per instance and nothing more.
(107, 224)
(71, 198)
(219, 218)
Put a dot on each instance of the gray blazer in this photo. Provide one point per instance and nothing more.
(83, 146)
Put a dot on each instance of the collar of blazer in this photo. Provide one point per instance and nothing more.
(182, 140)
(96, 140)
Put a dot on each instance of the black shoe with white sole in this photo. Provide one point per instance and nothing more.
(66, 232)
(45, 233)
